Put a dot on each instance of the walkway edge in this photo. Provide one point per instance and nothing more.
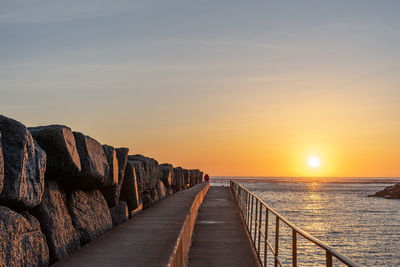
(180, 252)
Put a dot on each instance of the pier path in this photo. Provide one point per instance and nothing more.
(219, 237)
(149, 239)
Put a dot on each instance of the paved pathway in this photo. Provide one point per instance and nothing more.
(219, 237)
(146, 240)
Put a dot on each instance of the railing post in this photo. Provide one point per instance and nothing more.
(256, 223)
(294, 248)
(328, 259)
(266, 237)
(276, 241)
(259, 230)
(251, 213)
(248, 209)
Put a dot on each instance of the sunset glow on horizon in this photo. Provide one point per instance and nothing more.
(234, 88)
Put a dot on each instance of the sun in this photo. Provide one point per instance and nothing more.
(314, 162)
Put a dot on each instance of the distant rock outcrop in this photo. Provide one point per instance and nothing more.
(89, 213)
(392, 191)
(24, 166)
(56, 222)
(21, 241)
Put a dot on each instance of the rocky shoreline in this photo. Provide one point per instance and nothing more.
(61, 189)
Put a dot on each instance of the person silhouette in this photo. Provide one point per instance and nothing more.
(206, 178)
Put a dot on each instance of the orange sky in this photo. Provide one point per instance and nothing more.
(234, 88)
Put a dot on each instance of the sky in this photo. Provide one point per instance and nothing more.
(234, 88)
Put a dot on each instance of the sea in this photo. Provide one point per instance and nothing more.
(337, 211)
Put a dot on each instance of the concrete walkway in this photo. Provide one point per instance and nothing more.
(146, 240)
(219, 237)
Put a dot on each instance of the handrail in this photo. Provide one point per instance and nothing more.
(252, 207)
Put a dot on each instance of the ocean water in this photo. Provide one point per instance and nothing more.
(339, 213)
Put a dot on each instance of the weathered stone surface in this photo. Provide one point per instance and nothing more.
(21, 241)
(392, 191)
(1, 167)
(196, 176)
(112, 193)
(24, 166)
(167, 171)
(161, 190)
(141, 176)
(119, 213)
(111, 156)
(89, 213)
(56, 222)
(178, 180)
(151, 167)
(186, 178)
(154, 196)
(147, 199)
(59, 143)
(94, 163)
(129, 190)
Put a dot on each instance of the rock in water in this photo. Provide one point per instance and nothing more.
(119, 213)
(24, 166)
(21, 241)
(129, 190)
(56, 222)
(89, 213)
(112, 193)
(167, 173)
(392, 191)
(94, 163)
(59, 143)
(1, 167)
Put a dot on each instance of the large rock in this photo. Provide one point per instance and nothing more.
(196, 176)
(59, 143)
(56, 222)
(186, 178)
(111, 156)
(392, 191)
(94, 163)
(147, 199)
(129, 190)
(24, 166)
(89, 213)
(1, 167)
(119, 213)
(167, 171)
(141, 176)
(21, 241)
(151, 167)
(161, 190)
(112, 193)
(178, 179)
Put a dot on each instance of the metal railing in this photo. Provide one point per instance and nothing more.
(257, 216)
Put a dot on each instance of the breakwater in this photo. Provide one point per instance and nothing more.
(61, 189)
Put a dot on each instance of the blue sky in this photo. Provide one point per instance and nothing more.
(162, 71)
